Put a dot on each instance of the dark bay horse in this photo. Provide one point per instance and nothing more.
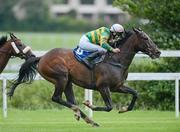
(60, 67)
(12, 47)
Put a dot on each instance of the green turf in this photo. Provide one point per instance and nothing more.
(63, 121)
(47, 41)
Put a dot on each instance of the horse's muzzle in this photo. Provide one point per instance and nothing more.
(155, 55)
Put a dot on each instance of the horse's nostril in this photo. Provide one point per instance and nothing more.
(158, 52)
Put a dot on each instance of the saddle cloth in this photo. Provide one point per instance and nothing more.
(81, 54)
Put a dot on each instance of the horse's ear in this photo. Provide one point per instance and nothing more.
(12, 36)
(139, 29)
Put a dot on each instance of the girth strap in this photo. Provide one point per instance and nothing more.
(93, 81)
(118, 65)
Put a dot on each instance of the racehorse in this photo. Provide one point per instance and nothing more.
(60, 67)
(12, 47)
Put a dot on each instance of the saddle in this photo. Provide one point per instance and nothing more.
(82, 56)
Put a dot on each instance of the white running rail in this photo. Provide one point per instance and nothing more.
(89, 95)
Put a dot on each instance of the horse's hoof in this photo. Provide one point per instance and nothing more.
(86, 103)
(95, 125)
(77, 117)
(124, 109)
(10, 95)
(77, 113)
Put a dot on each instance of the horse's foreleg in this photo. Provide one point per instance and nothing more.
(105, 93)
(70, 98)
(127, 90)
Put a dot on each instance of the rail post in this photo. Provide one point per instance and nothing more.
(4, 99)
(88, 96)
(177, 97)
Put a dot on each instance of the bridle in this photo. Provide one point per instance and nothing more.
(19, 52)
(110, 55)
(126, 52)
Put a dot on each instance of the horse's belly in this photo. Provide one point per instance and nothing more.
(81, 77)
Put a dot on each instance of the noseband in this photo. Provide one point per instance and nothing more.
(16, 49)
(19, 51)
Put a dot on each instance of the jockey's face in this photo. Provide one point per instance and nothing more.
(115, 36)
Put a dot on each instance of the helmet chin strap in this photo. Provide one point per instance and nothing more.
(114, 31)
(15, 48)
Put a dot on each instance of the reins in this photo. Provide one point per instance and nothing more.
(123, 52)
(110, 55)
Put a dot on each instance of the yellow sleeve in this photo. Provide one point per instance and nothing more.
(104, 40)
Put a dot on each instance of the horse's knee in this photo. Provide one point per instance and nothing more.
(135, 95)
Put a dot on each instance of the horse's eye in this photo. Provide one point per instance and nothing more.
(145, 38)
(20, 45)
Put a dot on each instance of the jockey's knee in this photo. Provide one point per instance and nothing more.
(102, 52)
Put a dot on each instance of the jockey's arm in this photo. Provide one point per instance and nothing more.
(104, 42)
(105, 45)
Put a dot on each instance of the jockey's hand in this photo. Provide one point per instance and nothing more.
(116, 50)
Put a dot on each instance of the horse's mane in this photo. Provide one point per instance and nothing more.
(3, 39)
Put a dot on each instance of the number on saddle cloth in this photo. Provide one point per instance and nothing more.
(81, 54)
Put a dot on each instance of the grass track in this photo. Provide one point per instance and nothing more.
(63, 121)
(47, 41)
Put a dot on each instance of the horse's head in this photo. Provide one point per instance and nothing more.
(20, 49)
(146, 45)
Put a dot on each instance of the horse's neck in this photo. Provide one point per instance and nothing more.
(127, 51)
(4, 58)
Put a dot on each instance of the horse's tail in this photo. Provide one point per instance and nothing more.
(27, 73)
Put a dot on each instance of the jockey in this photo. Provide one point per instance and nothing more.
(100, 40)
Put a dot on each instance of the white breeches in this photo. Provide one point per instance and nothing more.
(85, 44)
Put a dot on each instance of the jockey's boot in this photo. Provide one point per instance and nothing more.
(88, 60)
(93, 55)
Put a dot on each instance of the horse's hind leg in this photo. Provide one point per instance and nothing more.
(68, 91)
(70, 98)
(60, 85)
(127, 90)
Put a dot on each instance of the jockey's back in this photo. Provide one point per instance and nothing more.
(99, 36)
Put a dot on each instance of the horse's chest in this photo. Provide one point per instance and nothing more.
(115, 79)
